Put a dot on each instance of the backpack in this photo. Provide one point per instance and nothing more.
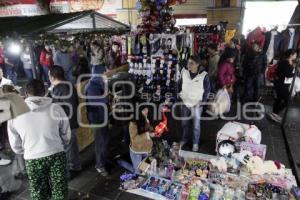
(271, 73)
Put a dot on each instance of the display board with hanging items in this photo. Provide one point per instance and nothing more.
(207, 34)
(156, 52)
(155, 61)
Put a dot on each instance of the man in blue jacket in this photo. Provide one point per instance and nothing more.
(97, 114)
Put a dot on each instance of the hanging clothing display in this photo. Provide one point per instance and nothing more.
(256, 36)
(272, 44)
(291, 40)
(229, 35)
(205, 35)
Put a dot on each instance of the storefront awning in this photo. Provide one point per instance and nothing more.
(60, 23)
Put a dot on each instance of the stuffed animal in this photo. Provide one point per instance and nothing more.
(220, 164)
(218, 192)
(256, 165)
(242, 157)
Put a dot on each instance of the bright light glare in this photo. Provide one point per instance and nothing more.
(15, 49)
(190, 21)
(268, 14)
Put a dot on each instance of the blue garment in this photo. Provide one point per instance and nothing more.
(64, 59)
(98, 69)
(101, 141)
(72, 153)
(45, 73)
(252, 85)
(29, 74)
(292, 37)
(12, 74)
(94, 90)
(136, 159)
(192, 123)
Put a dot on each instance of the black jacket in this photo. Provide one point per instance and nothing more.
(277, 43)
(63, 90)
(284, 70)
(254, 63)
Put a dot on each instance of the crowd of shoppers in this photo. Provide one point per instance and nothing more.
(46, 136)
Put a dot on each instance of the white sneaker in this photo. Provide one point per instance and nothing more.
(102, 171)
(4, 162)
(195, 148)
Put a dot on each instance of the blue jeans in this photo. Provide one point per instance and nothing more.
(12, 74)
(29, 74)
(72, 153)
(100, 69)
(252, 85)
(46, 74)
(193, 123)
(136, 159)
(213, 84)
(101, 141)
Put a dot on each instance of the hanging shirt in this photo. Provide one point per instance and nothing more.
(270, 51)
(292, 36)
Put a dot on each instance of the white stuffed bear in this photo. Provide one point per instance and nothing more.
(256, 165)
(220, 164)
(242, 156)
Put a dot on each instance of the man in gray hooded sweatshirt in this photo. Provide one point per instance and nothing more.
(41, 135)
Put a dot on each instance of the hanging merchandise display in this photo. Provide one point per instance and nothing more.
(205, 35)
(157, 16)
(154, 63)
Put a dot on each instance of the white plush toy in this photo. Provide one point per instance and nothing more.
(242, 156)
(220, 164)
(256, 165)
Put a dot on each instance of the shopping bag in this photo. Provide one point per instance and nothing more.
(296, 87)
(221, 103)
(230, 131)
(253, 135)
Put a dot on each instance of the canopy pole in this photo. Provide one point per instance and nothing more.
(94, 21)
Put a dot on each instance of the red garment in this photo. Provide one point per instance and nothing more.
(2, 60)
(161, 128)
(226, 74)
(256, 36)
(46, 61)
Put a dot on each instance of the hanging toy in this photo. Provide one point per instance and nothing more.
(131, 66)
(135, 69)
(153, 65)
(161, 68)
(144, 72)
(143, 41)
(161, 128)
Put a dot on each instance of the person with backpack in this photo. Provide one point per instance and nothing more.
(284, 77)
(254, 66)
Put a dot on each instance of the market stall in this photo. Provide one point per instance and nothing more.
(156, 53)
(239, 171)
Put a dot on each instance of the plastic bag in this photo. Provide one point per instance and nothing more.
(230, 131)
(296, 86)
(235, 131)
(221, 103)
(253, 135)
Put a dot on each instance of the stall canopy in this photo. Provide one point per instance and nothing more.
(60, 23)
(296, 16)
